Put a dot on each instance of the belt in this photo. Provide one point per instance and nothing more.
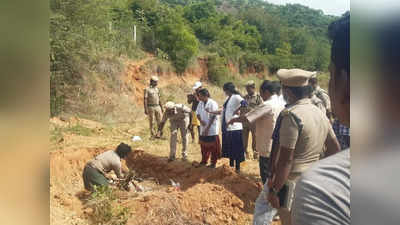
(152, 105)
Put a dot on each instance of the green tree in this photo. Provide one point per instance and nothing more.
(199, 10)
(178, 41)
(284, 56)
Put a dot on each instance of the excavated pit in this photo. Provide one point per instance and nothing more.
(205, 196)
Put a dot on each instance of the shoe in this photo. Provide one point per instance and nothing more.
(237, 171)
(213, 166)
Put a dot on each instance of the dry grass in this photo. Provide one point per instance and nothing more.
(170, 214)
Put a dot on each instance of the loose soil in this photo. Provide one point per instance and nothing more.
(206, 196)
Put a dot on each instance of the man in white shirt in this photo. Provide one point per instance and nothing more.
(209, 139)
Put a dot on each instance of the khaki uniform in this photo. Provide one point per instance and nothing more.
(253, 101)
(323, 95)
(319, 103)
(304, 129)
(179, 119)
(152, 94)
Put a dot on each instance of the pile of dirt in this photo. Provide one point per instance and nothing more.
(206, 196)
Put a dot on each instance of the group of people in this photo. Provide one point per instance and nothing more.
(304, 164)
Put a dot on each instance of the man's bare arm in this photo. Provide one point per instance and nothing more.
(284, 166)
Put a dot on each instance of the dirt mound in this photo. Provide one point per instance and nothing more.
(207, 196)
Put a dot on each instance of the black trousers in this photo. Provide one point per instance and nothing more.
(264, 168)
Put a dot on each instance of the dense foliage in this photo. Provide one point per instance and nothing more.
(253, 34)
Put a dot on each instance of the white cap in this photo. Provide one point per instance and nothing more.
(154, 78)
(197, 85)
(169, 105)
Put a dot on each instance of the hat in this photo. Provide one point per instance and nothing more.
(294, 77)
(169, 105)
(250, 83)
(314, 75)
(154, 78)
(197, 85)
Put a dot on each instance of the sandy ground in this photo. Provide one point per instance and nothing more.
(206, 196)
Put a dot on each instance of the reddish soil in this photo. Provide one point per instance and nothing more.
(206, 196)
(137, 76)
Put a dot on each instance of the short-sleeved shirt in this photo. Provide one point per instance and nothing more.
(319, 103)
(152, 94)
(307, 144)
(202, 108)
(252, 102)
(107, 161)
(323, 95)
(234, 103)
(322, 195)
(264, 117)
(179, 113)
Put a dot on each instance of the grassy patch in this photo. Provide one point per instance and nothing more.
(106, 209)
(80, 130)
(57, 133)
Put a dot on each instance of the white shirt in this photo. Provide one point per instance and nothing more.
(231, 107)
(280, 99)
(211, 106)
(264, 118)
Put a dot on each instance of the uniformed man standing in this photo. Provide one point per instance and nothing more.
(179, 117)
(299, 137)
(192, 98)
(253, 100)
(152, 104)
(317, 101)
(321, 94)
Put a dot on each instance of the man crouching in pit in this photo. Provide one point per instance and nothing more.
(96, 170)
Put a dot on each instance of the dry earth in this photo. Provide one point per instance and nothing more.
(206, 196)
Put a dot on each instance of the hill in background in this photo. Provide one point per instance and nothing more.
(92, 46)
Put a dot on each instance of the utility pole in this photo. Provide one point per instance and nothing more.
(134, 33)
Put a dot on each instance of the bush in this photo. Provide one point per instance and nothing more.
(106, 209)
(218, 73)
(179, 42)
(255, 62)
(81, 33)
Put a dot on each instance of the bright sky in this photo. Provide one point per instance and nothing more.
(337, 7)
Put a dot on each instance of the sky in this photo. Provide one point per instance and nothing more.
(337, 7)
